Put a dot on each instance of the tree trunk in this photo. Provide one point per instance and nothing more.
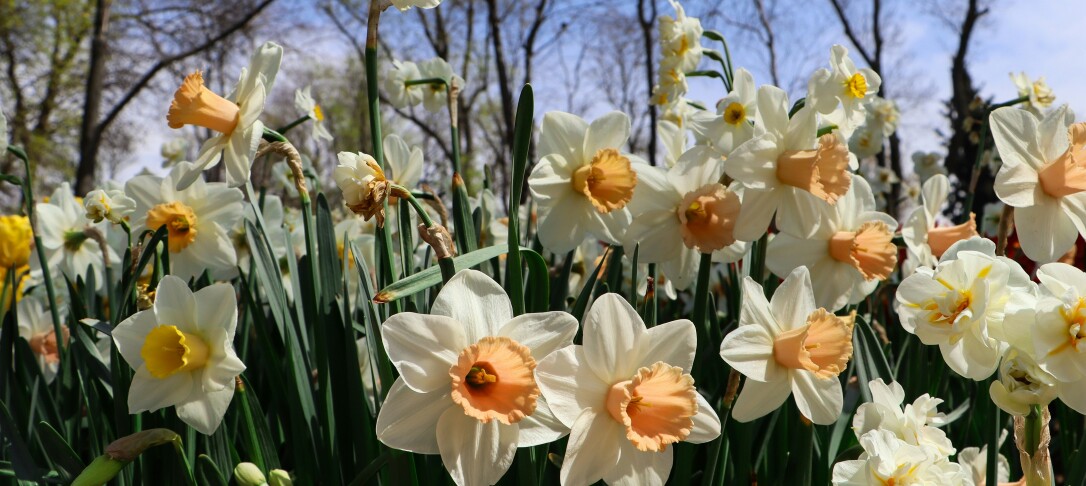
(89, 136)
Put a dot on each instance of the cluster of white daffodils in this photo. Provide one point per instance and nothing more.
(477, 382)
(681, 51)
(427, 82)
(901, 445)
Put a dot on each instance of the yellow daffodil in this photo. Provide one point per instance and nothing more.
(16, 241)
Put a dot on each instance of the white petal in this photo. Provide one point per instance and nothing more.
(1017, 185)
(569, 386)
(755, 213)
(563, 134)
(408, 419)
(608, 131)
(1044, 230)
(636, 468)
(475, 453)
(593, 448)
(205, 412)
(148, 393)
(423, 348)
(541, 427)
(658, 236)
(1057, 278)
(613, 333)
(749, 350)
(175, 304)
(755, 308)
(794, 300)
(477, 302)
(758, 399)
(820, 400)
(673, 343)
(1016, 136)
(130, 334)
(217, 309)
(563, 227)
(543, 332)
(706, 423)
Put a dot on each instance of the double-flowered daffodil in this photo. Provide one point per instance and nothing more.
(888, 460)
(627, 394)
(788, 346)
(183, 352)
(467, 388)
(234, 119)
(110, 204)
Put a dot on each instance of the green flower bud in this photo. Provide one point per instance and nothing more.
(247, 474)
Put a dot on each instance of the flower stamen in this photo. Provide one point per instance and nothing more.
(608, 181)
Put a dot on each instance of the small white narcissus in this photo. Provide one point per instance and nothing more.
(848, 256)
(396, 89)
(235, 118)
(304, 102)
(842, 91)
(960, 305)
(183, 352)
(108, 204)
(583, 182)
(788, 346)
(1021, 384)
(66, 245)
(737, 112)
(435, 95)
(680, 38)
(1043, 177)
(627, 394)
(928, 164)
(1039, 95)
(467, 388)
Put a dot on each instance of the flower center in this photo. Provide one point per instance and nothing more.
(823, 346)
(179, 220)
(493, 380)
(708, 217)
(167, 350)
(1075, 316)
(940, 239)
(1066, 175)
(608, 181)
(194, 104)
(735, 113)
(822, 171)
(45, 344)
(1043, 94)
(870, 249)
(948, 310)
(73, 240)
(856, 86)
(318, 114)
(657, 406)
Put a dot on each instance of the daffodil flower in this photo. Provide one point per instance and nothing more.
(928, 164)
(960, 305)
(399, 94)
(199, 220)
(841, 91)
(1021, 384)
(1043, 176)
(363, 184)
(788, 346)
(916, 423)
(62, 222)
(627, 395)
(404, 5)
(682, 213)
(583, 182)
(36, 326)
(404, 162)
(303, 102)
(111, 204)
(680, 38)
(671, 83)
(467, 388)
(183, 353)
(848, 256)
(16, 241)
(1039, 95)
(975, 463)
(925, 239)
(787, 170)
(737, 112)
(889, 460)
(434, 96)
(235, 119)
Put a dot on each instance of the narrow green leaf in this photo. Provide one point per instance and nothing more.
(522, 139)
(58, 451)
(208, 473)
(432, 275)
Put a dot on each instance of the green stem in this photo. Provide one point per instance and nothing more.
(250, 425)
(385, 262)
(286, 128)
(805, 446)
(427, 81)
(701, 304)
(403, 193)
(273, 136)
(757, 267)
(993, 446)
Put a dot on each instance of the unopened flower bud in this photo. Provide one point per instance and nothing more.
(247, 474)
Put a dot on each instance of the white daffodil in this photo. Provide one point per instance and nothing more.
(788, 346)
(399, 94)
(889, 460)
(1022, 383)
(682, 213)
(583, 182)
(199, 220)
(881, 179)
(363, 184)
(882, 115)
(671, 84)
(866, 142)
(404, 162)
(915, 424)
(928, 164)
(434, 96)
(173, 151)
(467, 388)
(925, 240)
(960, 305)
(183, 352)
(841, 91)
(680, 38)
(1043, 176)
(975, 463)
(235, 118)
(848, 256)
(787, 170)
(1039, 95)
(627, 394)
(108, 204)
(303, 102)
(67, 246)
(407, 4)
(36, 327)
(737, 111)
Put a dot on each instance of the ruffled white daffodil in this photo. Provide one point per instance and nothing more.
(234, 118)
(682, 213)
(183, 353)
(109, 204)
(841, 92)
(925, 238)
(627, 394)
(888, 460)
(787, 170)
(975, 463)
(1043, 176)
(1039, 95)
(36, 327)
(61, 223)
(1021, 384)
(680, 38)
(915, 424)
(849, 254)
(467, 388)
(788, 346)
(363, 184)
(199, 220)
(583, 182)
(304, 102)
(960, 305)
